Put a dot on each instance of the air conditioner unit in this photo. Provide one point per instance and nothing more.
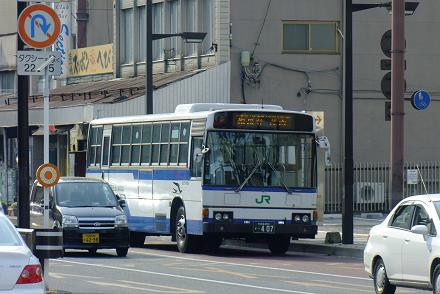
(371, 192)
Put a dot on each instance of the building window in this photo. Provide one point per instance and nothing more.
(207, 25)
(126, 36)
(174, 20)
(157, 29)
(191, 21)
(142, 34)
(310, 37)
(7, 82)
(95, 139)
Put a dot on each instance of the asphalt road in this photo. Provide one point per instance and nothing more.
(159, 268)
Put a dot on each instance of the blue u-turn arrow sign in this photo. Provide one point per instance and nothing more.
(420, 100)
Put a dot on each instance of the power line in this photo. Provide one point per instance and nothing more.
(262, 26)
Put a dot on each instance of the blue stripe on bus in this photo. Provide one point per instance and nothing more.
(150, 225)
(176, 174)
(259, 189)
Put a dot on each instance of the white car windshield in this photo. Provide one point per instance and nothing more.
(8, 236)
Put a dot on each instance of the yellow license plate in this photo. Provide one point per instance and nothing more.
(90, 238)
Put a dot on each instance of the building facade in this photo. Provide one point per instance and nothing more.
(291, 53)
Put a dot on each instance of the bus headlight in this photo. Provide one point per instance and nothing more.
(305, 218)
(218, 216)
(225, 216)
(297, 218)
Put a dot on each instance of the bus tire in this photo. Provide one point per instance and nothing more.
(137, 239)
(279, 244)
(185, 243)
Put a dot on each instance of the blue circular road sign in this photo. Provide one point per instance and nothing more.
(420, 100)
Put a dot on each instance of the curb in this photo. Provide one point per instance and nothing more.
(355, 251)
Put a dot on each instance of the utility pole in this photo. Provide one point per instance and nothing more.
(397, 92)
(23, 140)
(347, 203)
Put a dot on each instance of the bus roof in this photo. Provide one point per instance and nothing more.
(190, 111)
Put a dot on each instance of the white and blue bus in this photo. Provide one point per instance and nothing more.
(211, 171)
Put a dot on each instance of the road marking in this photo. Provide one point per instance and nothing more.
(254, 266)
(185, 277)
(61, 276)
(105, 284)
(165, 287)
(345, 284)
(320, 284)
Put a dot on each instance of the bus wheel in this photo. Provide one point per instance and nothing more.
(137, 239)
(185, 243)
(279, 244)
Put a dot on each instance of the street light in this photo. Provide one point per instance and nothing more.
(189, 37)
(347, 207)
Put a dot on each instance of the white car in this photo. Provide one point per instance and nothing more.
(20, 271)
(404, 250)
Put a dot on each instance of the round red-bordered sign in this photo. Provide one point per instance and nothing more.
(39, 26)
(48, 175)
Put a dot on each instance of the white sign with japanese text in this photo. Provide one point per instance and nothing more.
(412, 177)
(29, 63)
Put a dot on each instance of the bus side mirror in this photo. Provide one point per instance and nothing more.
(205, 149)
(324, 143)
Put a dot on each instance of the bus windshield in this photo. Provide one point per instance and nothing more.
(260, 159)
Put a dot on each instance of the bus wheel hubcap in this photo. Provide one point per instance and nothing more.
(181, 228)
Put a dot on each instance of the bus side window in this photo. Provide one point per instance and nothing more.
(196, 157)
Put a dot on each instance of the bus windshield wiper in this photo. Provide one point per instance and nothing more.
(249, 177)
(282, 178)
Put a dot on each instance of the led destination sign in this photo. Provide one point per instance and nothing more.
(264, 121)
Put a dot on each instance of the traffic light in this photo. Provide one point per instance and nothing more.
(385, 64)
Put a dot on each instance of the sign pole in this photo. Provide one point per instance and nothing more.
(46, 160)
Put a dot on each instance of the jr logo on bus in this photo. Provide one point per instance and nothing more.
(263, 198)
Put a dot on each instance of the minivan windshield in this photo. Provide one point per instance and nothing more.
(85, 194)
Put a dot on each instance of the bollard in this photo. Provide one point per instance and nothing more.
(49, 243)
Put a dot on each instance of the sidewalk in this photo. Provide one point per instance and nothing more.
(332, 223)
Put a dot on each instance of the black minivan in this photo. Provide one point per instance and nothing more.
(91, 215)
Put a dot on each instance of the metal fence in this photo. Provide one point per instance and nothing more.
(8, 185)
(371, 188)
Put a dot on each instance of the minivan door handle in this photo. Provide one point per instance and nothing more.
(384, 236)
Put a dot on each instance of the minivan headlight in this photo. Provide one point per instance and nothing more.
(69, 221)
(121, 221)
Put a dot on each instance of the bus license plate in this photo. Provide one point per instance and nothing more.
(264, 227)
(90, 238)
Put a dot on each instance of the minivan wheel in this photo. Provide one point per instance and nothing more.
(381, 283)
(185, 243)
(436, 280)
(122, 252)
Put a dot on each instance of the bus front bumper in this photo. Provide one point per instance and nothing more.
(246, 229)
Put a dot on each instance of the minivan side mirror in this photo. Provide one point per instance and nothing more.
(420, 229)
(122, 203)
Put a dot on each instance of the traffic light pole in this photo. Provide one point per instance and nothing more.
(347, 207)
(397, 106)
(23, 140)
